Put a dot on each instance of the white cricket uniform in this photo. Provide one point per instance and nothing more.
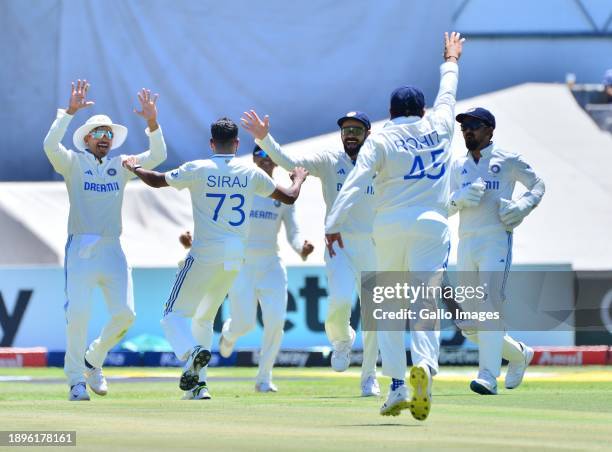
(94, 256)
(410, 157)
(344, 270)
(484, 254)
(222, 191)
(263, 278)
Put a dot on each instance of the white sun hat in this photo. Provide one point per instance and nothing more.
(119, 132)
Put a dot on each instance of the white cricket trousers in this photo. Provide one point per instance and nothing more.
(485, 258)
(198, 292)
(343, 279)
(263, 278)
(421, 247)
(92, 261)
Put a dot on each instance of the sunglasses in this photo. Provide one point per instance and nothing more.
(260, 153)
(97, 134)
(352, 131)
(472, 125)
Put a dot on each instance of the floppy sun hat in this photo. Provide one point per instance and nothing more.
(119, 131)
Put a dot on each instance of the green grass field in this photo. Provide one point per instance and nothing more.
(316, 409)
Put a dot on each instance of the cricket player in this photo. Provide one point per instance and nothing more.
(482, 183)
(222, 189)
(343, 273)
(410, 157)
(263, 278)
(94, 256)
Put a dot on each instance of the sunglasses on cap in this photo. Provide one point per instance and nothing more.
(260, 153)
(472, 125)
(97, 134)
(352, 131)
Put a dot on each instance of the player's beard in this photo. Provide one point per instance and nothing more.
(472, 143)
(352, 148)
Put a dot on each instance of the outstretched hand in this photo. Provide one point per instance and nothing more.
(148, 107)
(453, 45)
(254, 125)
(78, 97)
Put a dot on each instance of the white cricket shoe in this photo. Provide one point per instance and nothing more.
(341, 354)
(96, 381)
(78, 392)
(397, 400)
(370, 387)
(200, 392)
(485, 384)
(265, 386)
(420, 380)
(516, 370)
(225, 347)
(198, 358)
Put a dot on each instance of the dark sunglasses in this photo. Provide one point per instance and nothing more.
(260, 153)
(472, 125)
(97, 134)
(352, 131)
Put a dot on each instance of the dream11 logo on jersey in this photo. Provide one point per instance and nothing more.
(9, 322)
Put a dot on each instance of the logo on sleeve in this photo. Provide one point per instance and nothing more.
(174, 174)
(111, 171)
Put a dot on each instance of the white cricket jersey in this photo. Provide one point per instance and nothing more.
(95, 189)
(410, 157)
(500, 170)
(222, 191)
(266, 216)
(332, 168)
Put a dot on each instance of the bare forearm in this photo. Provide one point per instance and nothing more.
(151, 178)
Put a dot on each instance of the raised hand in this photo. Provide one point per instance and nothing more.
(130, 163)
(254, 125)
(148, 107)
(78, 97)
(453, 45)
(298, 173)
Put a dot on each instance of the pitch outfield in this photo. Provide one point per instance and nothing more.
(560, 408)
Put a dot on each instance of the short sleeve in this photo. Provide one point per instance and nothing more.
(264, 184)
(182, 177)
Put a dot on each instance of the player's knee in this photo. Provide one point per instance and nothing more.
(125, 317)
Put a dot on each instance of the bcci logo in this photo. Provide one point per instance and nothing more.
(277, 203)
(495, 168)
(111, 171)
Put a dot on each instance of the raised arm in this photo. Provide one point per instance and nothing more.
(444, 105)
(157, 152)
(58, 155)
(291, 194)
(260, 130)
(369, 161)
(151, 178)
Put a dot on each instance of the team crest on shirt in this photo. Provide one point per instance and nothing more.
(277, 203)
(111, 171)
(495, 168)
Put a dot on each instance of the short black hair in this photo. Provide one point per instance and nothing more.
(223, 130)
(410, 112)
(256, 148)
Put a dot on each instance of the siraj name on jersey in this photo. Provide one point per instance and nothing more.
(226, 181)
